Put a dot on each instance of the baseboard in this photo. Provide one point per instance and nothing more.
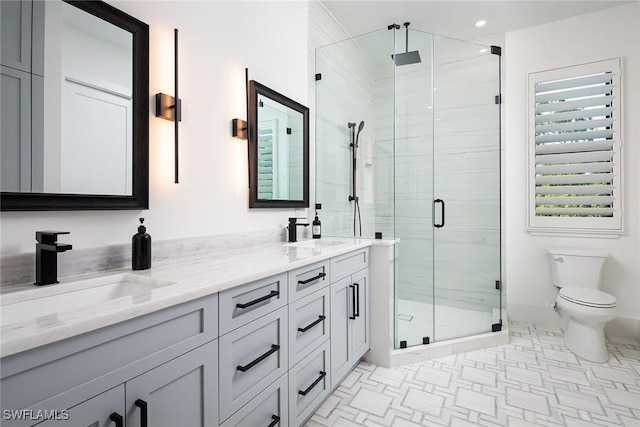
(545, 317)
(627, 328)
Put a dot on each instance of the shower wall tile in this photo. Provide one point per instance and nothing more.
(342, 96)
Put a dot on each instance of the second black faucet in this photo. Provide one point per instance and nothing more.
(293, 229)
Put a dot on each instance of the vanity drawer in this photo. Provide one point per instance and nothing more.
(308, 324)
(309, 384)
(63, 373)
(245, 303)
(269, 408)
(251, 357)
(347, 264)
(308, 279)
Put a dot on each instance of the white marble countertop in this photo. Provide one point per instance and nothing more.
(190, 277)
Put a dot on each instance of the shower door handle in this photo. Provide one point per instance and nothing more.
(441, 212)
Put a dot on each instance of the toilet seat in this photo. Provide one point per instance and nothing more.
(588, 297)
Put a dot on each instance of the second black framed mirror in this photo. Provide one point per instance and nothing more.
(278, 150)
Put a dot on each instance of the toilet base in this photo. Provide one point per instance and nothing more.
(587, 340)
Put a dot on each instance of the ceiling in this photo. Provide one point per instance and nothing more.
(454, 18)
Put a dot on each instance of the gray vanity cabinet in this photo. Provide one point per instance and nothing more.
(100, 411)
(360, 341)
(309, 384)
(268, 409)
(252, 357)
(181, 392)
(162, 357)
(306, 280)
(309, 320)
(349, 312)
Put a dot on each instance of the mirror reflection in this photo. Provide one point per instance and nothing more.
(279, 145)
(75, 107)
(81, 103)
(279, 151)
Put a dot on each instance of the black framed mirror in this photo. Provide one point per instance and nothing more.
(83, 143)
(278, 150)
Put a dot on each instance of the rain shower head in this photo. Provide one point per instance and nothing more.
(406, 57)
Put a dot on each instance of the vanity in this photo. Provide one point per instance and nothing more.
(259, 336)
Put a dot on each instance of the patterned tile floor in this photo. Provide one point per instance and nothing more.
(532, 381)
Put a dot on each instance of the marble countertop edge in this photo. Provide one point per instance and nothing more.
(191, 278)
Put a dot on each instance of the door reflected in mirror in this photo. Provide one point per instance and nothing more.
(279, 149)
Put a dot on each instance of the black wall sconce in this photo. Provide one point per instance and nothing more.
(170, 107)
(239, 127)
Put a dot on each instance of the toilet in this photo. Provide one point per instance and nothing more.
(576, 272)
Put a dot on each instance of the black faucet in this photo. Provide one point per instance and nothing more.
(293, 229)
(47, 256)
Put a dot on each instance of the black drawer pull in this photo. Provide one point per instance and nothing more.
(306, 328)
(275, 422)
(353, 302)
(143, 411)
(315, 383)
(356, 305)
(319, 276)
(117, 418)
(245, 368)
(258, 300)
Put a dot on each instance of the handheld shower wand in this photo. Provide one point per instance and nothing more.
(355, 139)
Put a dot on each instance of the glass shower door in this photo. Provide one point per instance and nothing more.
(413, 176)
(466, 189)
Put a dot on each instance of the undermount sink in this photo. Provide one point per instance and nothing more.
(74, 296)
(316, 243)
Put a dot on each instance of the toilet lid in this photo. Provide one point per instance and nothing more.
(588, 297)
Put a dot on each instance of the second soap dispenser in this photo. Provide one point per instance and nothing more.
(141, 248)
(316, 226)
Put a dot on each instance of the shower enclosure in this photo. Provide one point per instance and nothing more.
(427, 171)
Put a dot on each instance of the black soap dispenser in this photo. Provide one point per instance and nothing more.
(141, 248)
(316, 225)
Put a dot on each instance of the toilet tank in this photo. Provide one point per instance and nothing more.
(580, 268)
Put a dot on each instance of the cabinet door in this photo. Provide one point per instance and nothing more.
(16, 34)
(16, 130)
(100, 411)
(360, 325)
(341, 311)
(181, 392)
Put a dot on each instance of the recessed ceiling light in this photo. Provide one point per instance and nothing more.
(480, 23)
(484, 50)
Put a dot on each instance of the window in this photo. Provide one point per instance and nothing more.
(575, 168)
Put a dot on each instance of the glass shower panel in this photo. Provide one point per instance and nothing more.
(413, 164)
(346, 109)
(467, 180)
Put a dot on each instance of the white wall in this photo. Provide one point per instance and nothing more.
(217, 41)
(564, 43)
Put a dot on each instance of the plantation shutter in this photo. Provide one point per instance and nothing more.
(265, 162)
(575, 172)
